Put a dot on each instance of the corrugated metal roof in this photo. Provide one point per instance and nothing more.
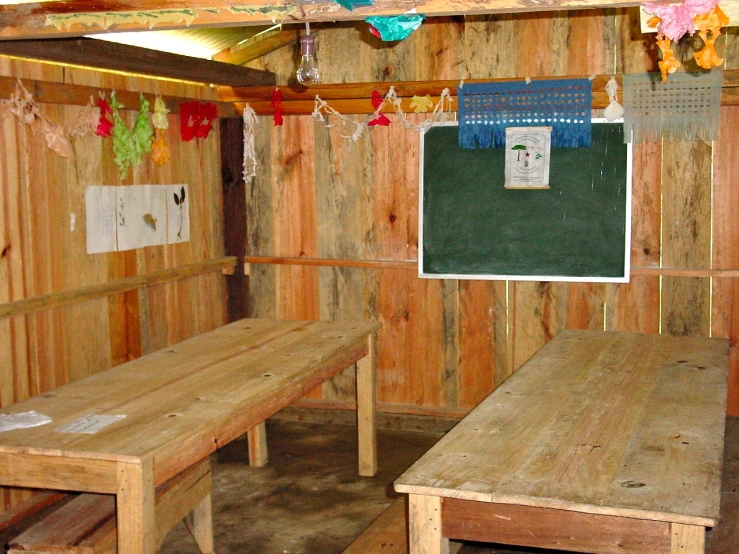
(199, 43)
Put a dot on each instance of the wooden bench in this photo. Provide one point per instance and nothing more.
(602, 442)
(87, 523)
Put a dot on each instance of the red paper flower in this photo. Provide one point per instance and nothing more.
(277, 107)
(196, 119)
(381, 119)
(105, 125)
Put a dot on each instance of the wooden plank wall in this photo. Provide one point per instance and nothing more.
(40, 252)
(446, 344)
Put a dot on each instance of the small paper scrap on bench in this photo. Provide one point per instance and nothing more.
(22, 420)
(90, 424)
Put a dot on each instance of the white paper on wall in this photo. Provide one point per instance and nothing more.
(142, 216)
(178, 214)
(100, 215)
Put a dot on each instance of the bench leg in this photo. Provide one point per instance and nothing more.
(366, 393)
(256, 439)
(135, 508)
(200, 524)
(687, 539)
(424, 525)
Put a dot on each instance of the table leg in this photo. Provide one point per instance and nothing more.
(256, 439)
(200, 524)
(424, 525)
(135, 508)
(687, 539)
(366, 395)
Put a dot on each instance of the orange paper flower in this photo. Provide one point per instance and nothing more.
(709, 26)
(669, 63)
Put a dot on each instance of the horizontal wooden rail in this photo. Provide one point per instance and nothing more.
(413, 265)
(46, 92)
(354, 98)
(24, 306)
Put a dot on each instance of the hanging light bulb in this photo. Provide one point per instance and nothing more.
(307, 73)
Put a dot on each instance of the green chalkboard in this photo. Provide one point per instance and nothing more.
(577, 230)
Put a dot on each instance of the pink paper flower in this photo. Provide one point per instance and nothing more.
(677, 19)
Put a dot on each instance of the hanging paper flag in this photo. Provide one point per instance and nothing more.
(380, 118)
(686, 108)
(159, 147)
(421, 104)
(486, 110)
(394, 27)
(196, 119)
(105, 125)
(351, 4)
(277, 107)
(129, 147)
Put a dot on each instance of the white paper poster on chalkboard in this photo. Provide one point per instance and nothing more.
(472, 227)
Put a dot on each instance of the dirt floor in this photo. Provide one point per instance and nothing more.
(310, 500)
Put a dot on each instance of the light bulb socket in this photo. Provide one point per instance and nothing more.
(307, 45)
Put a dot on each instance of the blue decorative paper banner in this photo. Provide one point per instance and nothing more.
(487, 109)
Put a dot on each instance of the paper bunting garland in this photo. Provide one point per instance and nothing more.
(421, 104)
(276, 105)
(27, 112)
(196, 119)
(353, 130)
(380, 118)
(129, 147)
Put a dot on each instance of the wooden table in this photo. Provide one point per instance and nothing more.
(181, 404)
(602, 442)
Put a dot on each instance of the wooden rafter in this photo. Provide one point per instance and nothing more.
(258, 46)
(75, 18)
(133, 59)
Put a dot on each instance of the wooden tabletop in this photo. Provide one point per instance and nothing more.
(185, 401)
(598, 422)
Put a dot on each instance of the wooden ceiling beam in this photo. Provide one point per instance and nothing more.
(79, 17)
(102, 54)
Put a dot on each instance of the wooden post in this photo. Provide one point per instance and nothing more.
(424, 525)
(234, 213)
(687, 539)
(256, 439)
(366, 395)
(135, 508)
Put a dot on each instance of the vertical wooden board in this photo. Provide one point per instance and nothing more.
(591, 42)
(411, 343)
(536, 316)
(686, 243)
(392, 61)
(341, 298)
(731, 47)
(450, 346)
(332, 45)
(725, 217)
(535, 31)
(491, 44)
(585, 306)
(725, 299)
(395, 170)
(478, 347)
(439, 49)
(633, 307)
(24, 69)
(637, 51)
